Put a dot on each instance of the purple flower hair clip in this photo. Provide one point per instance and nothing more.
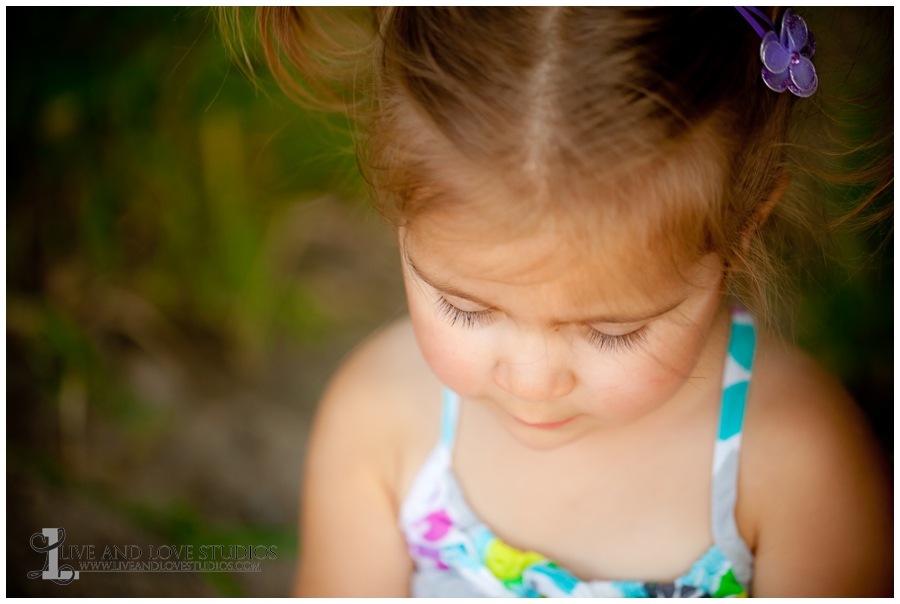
(785, 56)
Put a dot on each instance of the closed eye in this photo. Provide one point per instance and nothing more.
(464, 318)
(628, 341)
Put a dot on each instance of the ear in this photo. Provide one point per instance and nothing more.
(763, 210)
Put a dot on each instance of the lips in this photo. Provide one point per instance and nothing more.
(547, 425)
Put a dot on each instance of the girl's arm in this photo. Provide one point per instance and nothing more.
(819, 485)
(351, 544)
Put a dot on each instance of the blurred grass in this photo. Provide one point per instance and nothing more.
(152, 204)
(140, 160)
(148, 186)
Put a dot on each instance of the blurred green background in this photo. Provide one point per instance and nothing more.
(189, 257)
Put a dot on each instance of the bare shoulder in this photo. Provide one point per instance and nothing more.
(379, 397)
(815, 497)
(795, 403)
(358, 455)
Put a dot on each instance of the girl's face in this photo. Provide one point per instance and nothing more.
(556, 340)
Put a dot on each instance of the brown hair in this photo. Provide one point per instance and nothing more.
(662, 109)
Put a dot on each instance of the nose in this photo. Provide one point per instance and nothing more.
(533, 380)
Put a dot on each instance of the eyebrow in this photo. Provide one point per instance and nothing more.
(453, 291)
(444, 287)
(633, 319)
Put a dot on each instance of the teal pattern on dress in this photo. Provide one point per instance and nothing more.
(457, 555)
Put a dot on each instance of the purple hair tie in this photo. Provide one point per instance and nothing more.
(785, 57)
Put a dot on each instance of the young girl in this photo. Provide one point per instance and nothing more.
(579, 403)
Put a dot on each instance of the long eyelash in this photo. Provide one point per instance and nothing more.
(464, 318)
(628, 341)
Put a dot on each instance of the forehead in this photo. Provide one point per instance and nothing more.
(556, 272)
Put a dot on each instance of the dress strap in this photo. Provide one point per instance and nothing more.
(449, 415)
(726, 457)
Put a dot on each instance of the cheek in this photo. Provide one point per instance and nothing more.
(645, 381)
(448, 349)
